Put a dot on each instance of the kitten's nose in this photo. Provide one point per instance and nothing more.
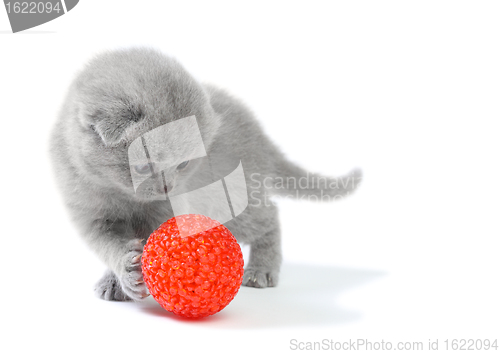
(167, 187)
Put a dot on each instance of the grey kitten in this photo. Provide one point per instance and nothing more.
(115, 101)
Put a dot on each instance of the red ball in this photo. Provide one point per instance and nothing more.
(195, 272)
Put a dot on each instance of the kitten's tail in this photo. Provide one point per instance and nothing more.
(292, 180)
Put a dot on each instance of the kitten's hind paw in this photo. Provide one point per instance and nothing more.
(108, 288)
(258, 278)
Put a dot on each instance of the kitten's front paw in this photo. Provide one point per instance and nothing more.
(109, 288)
(131, 279)
(260, 278)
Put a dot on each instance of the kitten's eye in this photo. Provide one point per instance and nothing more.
(142, 169)
(182, 165)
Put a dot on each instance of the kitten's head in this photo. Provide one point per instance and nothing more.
(120, 100)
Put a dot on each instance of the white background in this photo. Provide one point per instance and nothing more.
(408, 91)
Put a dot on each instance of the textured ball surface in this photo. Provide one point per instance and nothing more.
(196, 275)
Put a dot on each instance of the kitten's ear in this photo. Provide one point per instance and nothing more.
(110, 123)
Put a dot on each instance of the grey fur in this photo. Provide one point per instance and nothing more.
(121, 95)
